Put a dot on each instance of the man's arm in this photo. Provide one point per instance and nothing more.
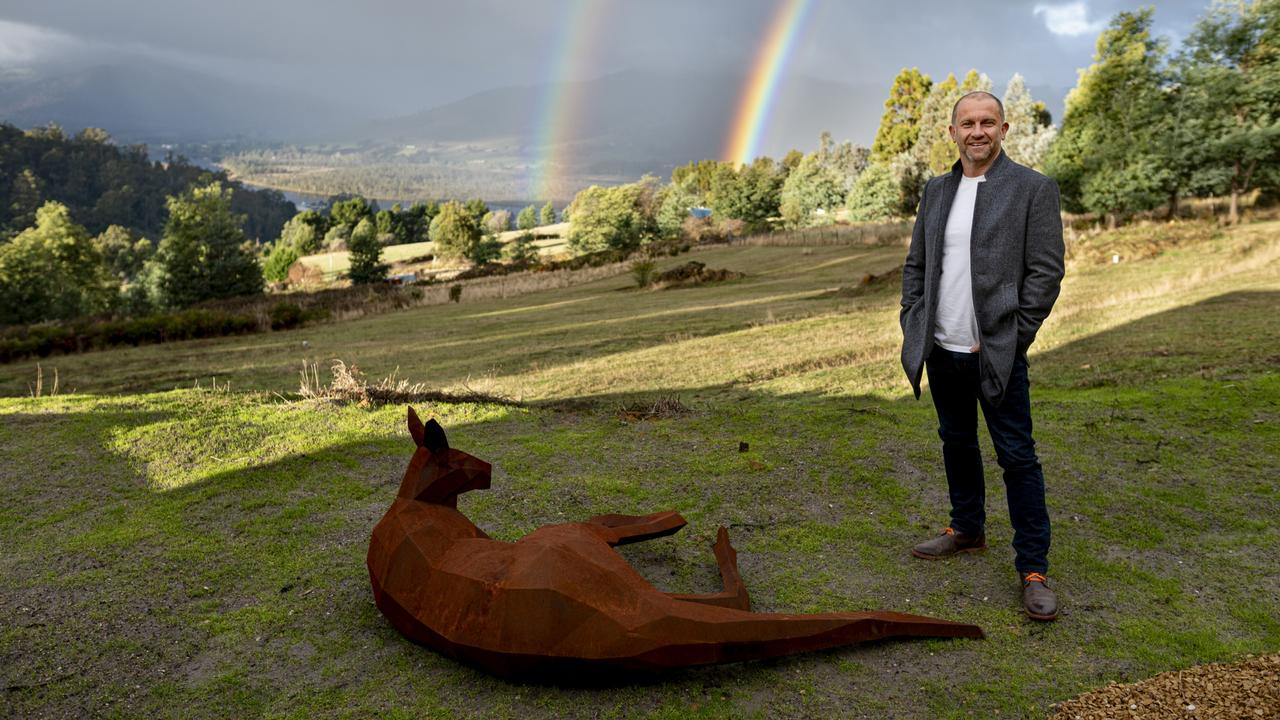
(1043, 263)
(913, 268)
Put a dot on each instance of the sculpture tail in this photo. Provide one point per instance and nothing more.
(722, 635)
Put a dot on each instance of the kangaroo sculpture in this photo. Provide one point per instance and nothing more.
(561, 603)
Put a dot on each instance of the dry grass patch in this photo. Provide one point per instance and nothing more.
(349, 386)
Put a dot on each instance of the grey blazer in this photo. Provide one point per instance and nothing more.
(1016, 260)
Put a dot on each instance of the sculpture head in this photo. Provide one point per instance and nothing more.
(437, 473)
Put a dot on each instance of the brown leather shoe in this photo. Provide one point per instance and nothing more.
(1037, 599)
(949, 543)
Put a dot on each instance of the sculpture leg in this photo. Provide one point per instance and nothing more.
(734, 594)
(635, 528)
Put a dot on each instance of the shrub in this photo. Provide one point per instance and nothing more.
(642, 271)
(285, 315)
(875, 195)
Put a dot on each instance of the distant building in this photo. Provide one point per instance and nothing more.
(402, 279)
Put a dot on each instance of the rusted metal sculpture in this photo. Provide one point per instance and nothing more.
(560, 604)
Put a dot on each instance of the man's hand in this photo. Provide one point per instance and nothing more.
(975, 347)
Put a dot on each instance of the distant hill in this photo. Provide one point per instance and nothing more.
(634, 122)
(145, 101)
(104, 184)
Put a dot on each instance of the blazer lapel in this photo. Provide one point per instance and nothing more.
(984, 221)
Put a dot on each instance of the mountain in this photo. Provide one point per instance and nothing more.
(145, 101)
(633, 122)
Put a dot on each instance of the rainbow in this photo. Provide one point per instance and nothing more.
(561, 106)
(758, 93)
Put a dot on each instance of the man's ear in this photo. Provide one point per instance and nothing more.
(433, 437)
(415, 427)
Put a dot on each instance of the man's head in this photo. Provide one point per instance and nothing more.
(978, 128)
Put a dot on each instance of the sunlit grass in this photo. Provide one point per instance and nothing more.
(200, 552)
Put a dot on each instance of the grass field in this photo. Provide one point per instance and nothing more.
(184, 537)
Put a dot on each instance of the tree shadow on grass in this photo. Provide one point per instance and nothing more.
(262, 567)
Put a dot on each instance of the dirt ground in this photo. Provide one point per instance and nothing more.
(1247, 689)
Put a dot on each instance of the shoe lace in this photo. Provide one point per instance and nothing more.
(1033, 577)
(948, 531)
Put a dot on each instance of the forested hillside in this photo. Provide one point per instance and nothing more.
(104, 185)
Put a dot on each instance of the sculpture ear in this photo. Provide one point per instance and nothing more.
(415, 427)
(433, 437)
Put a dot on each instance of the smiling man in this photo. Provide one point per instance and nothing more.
(982, 274)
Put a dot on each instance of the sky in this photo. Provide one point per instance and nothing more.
(391, 57)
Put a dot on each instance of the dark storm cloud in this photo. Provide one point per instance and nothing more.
(397, 56)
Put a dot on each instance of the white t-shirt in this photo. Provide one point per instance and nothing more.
(956, 328)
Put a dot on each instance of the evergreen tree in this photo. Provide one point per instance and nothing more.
(935, 151)
(275, 267)
(366, 254)
(875, 195)
(350, 211)
(900, 125)
(1110, 156)
(304, 232)
(52, 271)
(675, 202)
(1028, 140)
(455, 231)
(813, 185)
(203, 254)
(123, 254)
(522, 249)
(975, 81)
(753, 194)
(527, 219)
(25, 198)
(477, 207)
(548, 214)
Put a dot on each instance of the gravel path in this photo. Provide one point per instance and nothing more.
(1245, 690)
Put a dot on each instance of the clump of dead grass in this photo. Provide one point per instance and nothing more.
(692, 273)
(665, 406)
(350, 386)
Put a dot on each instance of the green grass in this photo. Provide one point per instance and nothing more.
(200, 553)
(335, 264)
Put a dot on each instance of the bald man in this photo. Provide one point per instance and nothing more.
(982, 274)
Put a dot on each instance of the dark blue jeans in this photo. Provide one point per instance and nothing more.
(953, 381)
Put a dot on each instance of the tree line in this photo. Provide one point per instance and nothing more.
(105, 185)
(1144, 127)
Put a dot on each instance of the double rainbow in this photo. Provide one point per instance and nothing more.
(561, 107)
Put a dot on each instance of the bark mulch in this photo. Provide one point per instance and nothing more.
(1244, 690)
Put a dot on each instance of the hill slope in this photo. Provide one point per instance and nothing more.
(203, 548)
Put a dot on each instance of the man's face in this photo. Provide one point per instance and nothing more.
(978, 130)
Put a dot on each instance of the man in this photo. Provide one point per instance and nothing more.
(983, 271)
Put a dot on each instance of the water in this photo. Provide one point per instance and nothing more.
(310, 201)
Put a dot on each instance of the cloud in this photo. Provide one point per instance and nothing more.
(1070, 20)
(22, 43)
